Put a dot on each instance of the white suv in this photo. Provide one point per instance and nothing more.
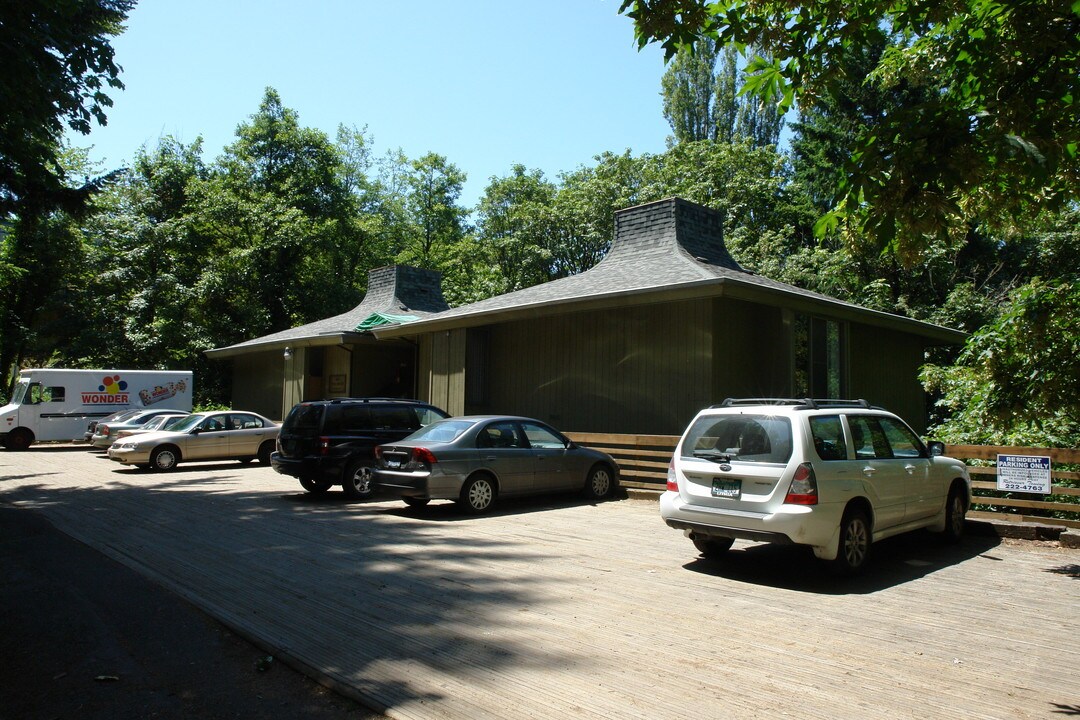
(836, 475)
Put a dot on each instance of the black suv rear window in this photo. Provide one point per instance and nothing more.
(746, 438)
(303, 418)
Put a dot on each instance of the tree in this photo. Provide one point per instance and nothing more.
(513, 228)
(703, 103)
(274, 205)
(57, 61)
(1017, 381)
(995, 135)
(434, 187)
(688, 87)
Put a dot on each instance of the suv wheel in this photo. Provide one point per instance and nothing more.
(954, 517)
(316, 487)
(855, 540)
(712, 547)
(357, 482)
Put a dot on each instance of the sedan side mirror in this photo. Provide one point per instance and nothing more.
(936, 448)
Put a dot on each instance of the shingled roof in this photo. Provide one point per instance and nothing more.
(663, 251)
(394, 291)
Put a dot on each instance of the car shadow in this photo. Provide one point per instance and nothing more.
(894, 561)
(450, 511)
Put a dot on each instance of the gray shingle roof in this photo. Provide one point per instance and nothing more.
(392, 290)
(668, 249)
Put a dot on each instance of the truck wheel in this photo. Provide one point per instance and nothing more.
(19, 439)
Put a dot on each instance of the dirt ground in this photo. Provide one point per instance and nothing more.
(85, 637)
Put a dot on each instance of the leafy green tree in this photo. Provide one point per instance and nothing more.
(273, 205)
(41, 257)
(514, 227)
(703, 103)
(688, 87)
(1017, 382)
(995, 135)
(144, 258)
(57, 62)
(438, 221)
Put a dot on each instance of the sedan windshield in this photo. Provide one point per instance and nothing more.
(188, 423)
(443, 431)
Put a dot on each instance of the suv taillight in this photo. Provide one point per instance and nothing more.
(672, 483)
(323, 445)
(803, 488)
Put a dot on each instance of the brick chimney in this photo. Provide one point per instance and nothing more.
(669, 226)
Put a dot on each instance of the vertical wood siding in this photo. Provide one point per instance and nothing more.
(257, 383)
(633, 370)
(885, 371)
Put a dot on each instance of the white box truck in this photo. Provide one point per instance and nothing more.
(53, 404)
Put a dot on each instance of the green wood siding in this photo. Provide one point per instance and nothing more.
(257, 383)
(884, 369)
(444, 364)
(634, 370)
(751, 351)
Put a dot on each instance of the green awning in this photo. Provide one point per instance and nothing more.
(376, 319)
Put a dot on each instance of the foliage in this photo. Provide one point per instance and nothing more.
(703, 103)
(1017, 382)
(994, 134)
(57, 63)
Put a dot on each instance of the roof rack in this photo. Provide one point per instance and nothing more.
(797, 403)
(374, 399)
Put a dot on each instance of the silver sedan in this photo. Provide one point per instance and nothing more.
(218, 435)
(475, 460)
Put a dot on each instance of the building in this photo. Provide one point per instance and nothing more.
(666, 323)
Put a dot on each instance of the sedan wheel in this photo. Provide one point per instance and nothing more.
(357, 482)
(598, 484)
(478, 495)
(164, 458)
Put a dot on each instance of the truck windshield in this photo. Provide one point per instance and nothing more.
(20, 392)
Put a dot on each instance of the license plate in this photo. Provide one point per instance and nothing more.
(393, 463)
(727, 488)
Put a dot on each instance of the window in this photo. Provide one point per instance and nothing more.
(541, 437)
(748, 438)
(868, 438)
(828, 436)
(902, 440)
(499, 435)
(820, 370)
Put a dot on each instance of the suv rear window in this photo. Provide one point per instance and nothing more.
(303, 418)
(746, 438)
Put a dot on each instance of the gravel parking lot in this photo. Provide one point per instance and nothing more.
(557, 608)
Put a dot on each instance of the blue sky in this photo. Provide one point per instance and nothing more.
(486, 83)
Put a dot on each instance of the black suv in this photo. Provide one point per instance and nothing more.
(332, 442)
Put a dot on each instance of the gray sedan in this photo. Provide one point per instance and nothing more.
(476, 459)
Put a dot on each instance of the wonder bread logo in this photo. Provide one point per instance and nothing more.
(111, 391)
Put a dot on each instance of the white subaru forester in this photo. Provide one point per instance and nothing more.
(836, 475)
